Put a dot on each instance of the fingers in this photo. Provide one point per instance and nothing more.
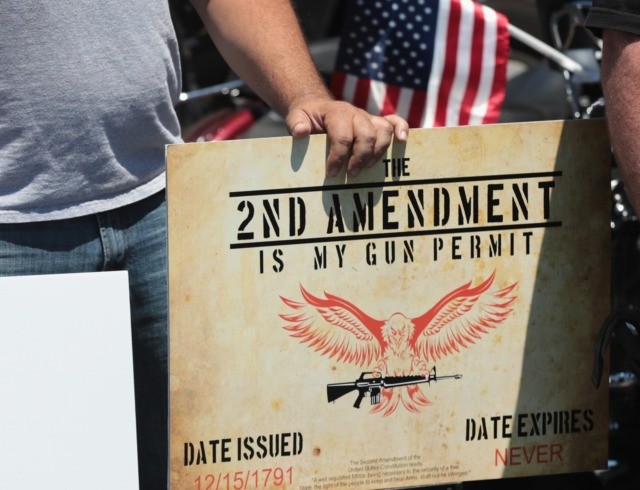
(298, 124)
(362, 143)
(341, 138)
(400, 126)
(357, 139)
(384, 132)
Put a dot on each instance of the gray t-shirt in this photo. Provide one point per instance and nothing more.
(87, 91)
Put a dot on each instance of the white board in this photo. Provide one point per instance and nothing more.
(67, 417)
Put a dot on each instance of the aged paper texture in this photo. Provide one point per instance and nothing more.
(432, 320)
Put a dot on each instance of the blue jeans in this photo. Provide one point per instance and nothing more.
(131, 238)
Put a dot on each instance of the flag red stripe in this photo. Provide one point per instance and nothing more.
(361, 95)
(500, 74)
(417, 108)
(449, 70)
(390, 103)
(475, 68)
(338, 80)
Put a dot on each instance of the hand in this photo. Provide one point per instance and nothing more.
(357, 139)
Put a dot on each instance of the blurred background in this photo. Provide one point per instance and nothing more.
(536, 90)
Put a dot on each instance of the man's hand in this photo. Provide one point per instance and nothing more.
(263, 43)
(357, 139)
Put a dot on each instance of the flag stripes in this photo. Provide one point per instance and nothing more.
(433, 62)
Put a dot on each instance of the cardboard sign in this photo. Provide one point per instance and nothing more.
(432, 320)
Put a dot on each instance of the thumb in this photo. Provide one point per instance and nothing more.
(298, 123)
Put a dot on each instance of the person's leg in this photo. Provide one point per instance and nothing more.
(131, 238)
(139, 231)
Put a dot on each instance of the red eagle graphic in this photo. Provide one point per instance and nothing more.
(398, 346)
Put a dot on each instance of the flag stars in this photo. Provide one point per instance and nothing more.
(388, 41)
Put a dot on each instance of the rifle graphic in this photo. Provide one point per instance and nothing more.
(374, 384)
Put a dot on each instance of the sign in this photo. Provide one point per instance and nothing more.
(432, 320)
(67, 416)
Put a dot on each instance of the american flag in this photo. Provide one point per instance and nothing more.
(434, 62)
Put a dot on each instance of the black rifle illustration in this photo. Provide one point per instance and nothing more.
(373, 385)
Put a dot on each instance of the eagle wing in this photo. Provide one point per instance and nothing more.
(460, 318)
(335, 328)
